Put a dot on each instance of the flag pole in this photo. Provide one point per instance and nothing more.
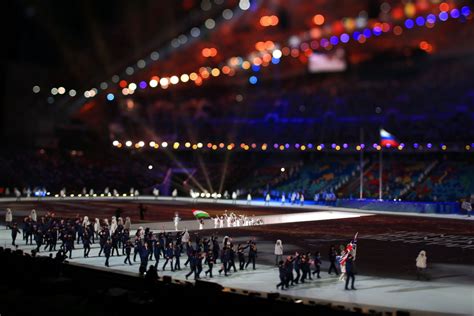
(380, 173)
(361, 180)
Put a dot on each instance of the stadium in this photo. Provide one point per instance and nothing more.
(238, 156)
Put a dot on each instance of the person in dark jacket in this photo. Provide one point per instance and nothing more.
(317, 264)
(241, 255)
(128, 251)
(15, 232)
(107, 251)
(87, 244)
(297, 267)
(177, 255)
(350, 271)
(282, 274)
(252, 254)
(210, 263)
(289, 271)
(332, 260)
(169, 254)
(192, 264)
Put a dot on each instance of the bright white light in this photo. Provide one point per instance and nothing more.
(277, 53)
(150, 167)
(164, 82)
(282, 169)
(132, 86)
(87, 94)
(36, 89)
(72, 93)
(164, 144)
(184, 78)
(153, 83)
(115, 143)
(128, 143)
(54, 91)
(152, 144)
(244, 4)
(92, 93)
(174, 79)
(141, 143)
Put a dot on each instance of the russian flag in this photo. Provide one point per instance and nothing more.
(387, 139)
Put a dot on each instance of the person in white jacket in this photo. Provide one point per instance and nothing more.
(421, 264)
(8, 218)
(278, 251)
(34, 216)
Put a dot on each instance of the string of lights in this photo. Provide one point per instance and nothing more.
(164, 145)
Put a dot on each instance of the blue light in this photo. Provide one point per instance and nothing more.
(443, 16)
(324, 42)
(420, 21)
(255, 68)
(334, 40)
(142, 85)
(455, 13)
(110, 97)
(345, 38)
(275, 61)
(377, 30)
(409, 23)
(310, 146)
(287, 146)
(431, 18)
(253, 80)
(465, 11)
(367, 33)
(356, 35)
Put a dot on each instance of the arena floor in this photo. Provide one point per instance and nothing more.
(387, 248)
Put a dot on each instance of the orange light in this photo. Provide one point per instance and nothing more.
(206, 52)
(444, 7)
(318, 19)
(423, 45)
(193, 76)
(259, 46)
(267, 58)
(264, 21)
(213, 52)
(269, 45)
(257, 61)
(225, 70)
